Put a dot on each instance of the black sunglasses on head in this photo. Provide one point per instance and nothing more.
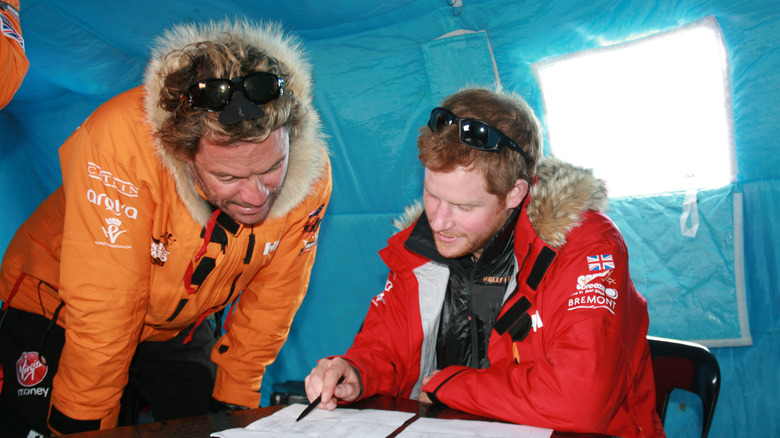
(215, 94)
(473, 133)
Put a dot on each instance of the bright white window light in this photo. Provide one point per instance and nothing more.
(649, 116)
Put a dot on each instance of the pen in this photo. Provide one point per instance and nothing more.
(314, 404)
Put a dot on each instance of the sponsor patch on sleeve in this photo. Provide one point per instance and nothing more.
(9, 29)
(310, 230)
(600, 262)
(380, 299)
(594, 290)
(112, 231)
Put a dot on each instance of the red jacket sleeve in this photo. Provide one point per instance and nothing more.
(386, 351)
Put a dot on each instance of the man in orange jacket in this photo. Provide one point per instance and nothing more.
(206, 184)
(13, 62)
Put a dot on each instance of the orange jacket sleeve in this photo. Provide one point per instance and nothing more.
(13, 61)
(103, 274)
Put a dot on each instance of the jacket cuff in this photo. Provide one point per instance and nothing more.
(226, 391)
(436, 386)
(62, 424)
(359, 376)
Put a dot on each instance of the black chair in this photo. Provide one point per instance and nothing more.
(289, 392)
(688, 366)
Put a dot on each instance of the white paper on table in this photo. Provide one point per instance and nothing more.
(437, 427)
(358, 423)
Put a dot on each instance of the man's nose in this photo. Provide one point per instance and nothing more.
(255, 192)
(441, 217)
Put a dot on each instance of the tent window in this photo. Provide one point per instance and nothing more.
(649, 116)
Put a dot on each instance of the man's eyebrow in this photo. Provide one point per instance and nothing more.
(275, 165)
(474, 203)
(269, 170)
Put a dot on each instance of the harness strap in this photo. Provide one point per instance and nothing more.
(49, 328)
(14, 290)
(212, 222)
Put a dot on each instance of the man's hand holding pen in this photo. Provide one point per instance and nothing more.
(324, 382)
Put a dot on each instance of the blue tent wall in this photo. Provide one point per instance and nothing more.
(374, 91)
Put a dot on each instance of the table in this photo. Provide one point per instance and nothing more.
(204, 425)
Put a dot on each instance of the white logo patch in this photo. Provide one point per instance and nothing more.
(594, 295)
(159, 252)
(381, 297)
(112, 233)
(107, 178)
(112, 205)
(270, 247)
(536, 321)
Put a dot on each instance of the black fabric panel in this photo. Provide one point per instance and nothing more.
(522, 327)
(203, 270)
(178, 309)
(64, 424)
(227, 223)
(543, 262)
(517, 311)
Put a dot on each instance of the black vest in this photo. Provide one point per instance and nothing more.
(475, 293)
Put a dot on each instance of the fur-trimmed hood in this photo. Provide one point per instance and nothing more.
(560, 195)
(308, 150)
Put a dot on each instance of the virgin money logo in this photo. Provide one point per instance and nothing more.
(29, 370)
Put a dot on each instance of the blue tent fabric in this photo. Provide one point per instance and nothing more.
(694, 284)
(372, 70)
(452, 61)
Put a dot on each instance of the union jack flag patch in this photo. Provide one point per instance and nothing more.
(600, 262)
(9, 30)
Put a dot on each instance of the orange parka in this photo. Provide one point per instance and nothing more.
(13, 61)
(136, 254)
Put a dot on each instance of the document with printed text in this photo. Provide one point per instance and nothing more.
(373, 423)
(347, 423)
(437, 427)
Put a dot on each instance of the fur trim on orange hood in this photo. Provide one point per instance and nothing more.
(308, 149)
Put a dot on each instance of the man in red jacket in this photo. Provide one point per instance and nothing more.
(509, 294)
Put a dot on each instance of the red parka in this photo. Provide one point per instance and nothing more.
(584, 366)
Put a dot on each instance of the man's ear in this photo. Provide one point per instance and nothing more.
(517, 193)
